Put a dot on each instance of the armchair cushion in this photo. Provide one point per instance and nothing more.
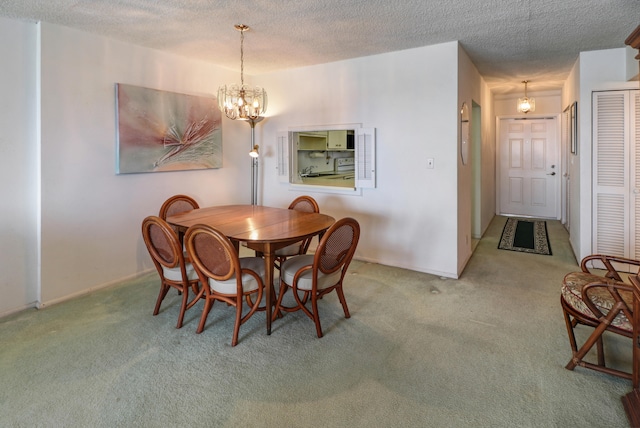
(305, 281)
(249, 282)
(600, 296)
(174, 274)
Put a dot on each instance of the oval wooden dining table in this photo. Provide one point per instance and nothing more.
(263, 229)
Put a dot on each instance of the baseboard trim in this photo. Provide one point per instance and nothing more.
(45, 304)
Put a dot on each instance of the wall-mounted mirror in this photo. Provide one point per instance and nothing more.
(464, 133)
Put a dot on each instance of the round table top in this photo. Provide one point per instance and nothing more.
(255, 223)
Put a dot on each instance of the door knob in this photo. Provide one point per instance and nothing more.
(553, 173)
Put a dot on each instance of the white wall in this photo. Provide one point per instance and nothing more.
(472, 88)
(488, 173)
(547, 103)
(570, 94)
(410, 97)
(90, 216)
(18, 166)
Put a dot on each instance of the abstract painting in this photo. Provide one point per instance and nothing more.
(166, 131)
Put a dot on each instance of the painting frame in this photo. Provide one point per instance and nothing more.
(160, 131)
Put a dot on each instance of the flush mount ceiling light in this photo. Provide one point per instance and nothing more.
(242, 101)
(526, 104)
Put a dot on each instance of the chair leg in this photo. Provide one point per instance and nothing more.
(208, 304)
(600, 352)
(276, 309)
(588, 344)
(183, 307)
(316, 315)
(343, 301)
(195, 288)
(572, 337)
(164, 289)
(197, 296)
(236, 325)
(280, 308)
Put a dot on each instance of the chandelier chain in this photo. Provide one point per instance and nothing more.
(242, 57)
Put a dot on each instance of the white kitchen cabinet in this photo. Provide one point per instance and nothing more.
(616, 173)
(313, 140)
(337, 140)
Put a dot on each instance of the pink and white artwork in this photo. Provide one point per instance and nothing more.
(166, 131)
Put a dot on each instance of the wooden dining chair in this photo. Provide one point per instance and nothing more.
(310, 277)
(177, 204)
(224, 276)
(303, 204)
(631, 400)
(602, 301)
(168, 257)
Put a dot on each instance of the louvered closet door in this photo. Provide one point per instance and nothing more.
(634, 134)
(616, 182)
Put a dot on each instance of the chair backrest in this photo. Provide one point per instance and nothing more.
(337, 246)
(162, 243)
(177, 204)
(305, 204)
(212, 253)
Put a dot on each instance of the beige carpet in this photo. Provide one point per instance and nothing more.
(487, 350)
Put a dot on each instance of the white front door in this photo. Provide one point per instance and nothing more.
(529, 169)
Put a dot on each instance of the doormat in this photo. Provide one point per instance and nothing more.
(527, 236)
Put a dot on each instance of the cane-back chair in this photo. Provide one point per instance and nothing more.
(177, 204)
(174, 271)
(224, 275)
(303, 204)
(602, 300)
(310, 277)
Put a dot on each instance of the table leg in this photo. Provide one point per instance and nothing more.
(269, 259)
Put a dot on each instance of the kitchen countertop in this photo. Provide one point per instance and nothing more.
(335, 180)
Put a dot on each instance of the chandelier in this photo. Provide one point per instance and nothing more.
(526, 104)
(242, 101)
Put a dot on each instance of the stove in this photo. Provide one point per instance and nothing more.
(344, 165)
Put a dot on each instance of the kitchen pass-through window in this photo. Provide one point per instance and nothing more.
(338, 159)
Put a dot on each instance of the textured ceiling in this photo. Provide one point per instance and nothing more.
(508, 40)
